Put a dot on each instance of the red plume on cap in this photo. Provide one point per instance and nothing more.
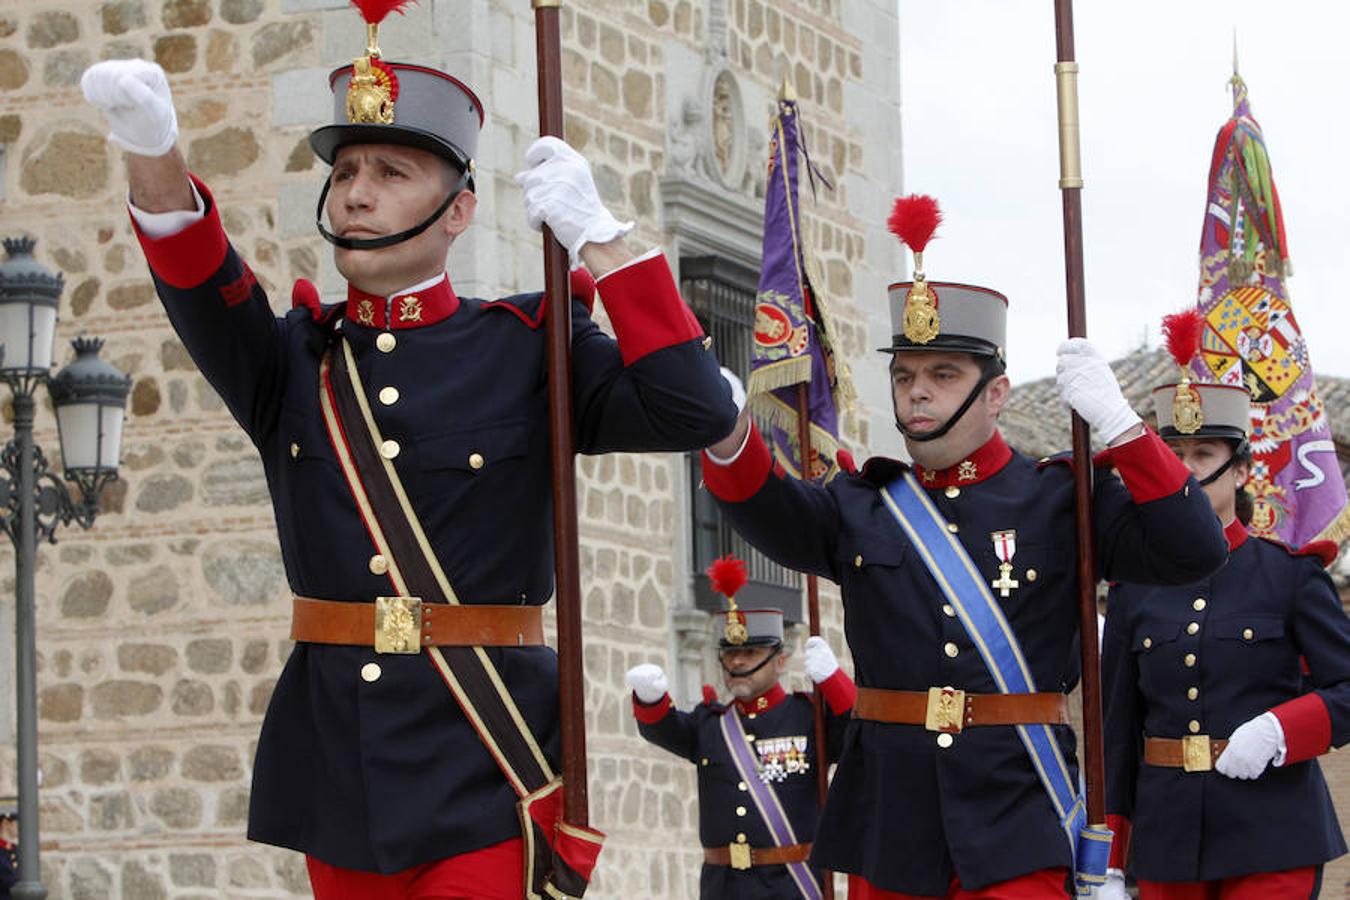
(1183, 331)
(914, 219)
(374, 11)
(727, 575)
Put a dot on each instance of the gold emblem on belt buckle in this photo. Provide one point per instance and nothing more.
(946, 709)
(740, 856)
(398, 624)
(1195, 753)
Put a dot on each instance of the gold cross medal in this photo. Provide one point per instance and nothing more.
(1005, 545)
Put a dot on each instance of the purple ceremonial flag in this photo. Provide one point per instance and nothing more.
(791, 345)
(1251, 339)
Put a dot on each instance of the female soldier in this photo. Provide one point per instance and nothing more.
(1219, 696)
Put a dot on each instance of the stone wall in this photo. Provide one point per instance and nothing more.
(162, 630)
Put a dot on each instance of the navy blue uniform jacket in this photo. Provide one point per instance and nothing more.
(725, 811)
(386, 774)
(902, 811)
(1256, 622)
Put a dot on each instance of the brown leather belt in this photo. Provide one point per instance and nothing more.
(743, 856)
(415, 624)
(947, 709)
(1194, 753)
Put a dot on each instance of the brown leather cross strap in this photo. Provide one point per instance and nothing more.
(1187, 753)
(912, 708)
(759, 856)
(339, 622)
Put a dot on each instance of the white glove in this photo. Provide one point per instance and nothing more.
(737, 389)
(1087, 384)
(134, 97)
(560, 193)
(648, 682)
(1254, 745)
(819, 659)
(1113, 889)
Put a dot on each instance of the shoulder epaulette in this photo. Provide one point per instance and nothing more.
(529, 308)
(881, 470)
(710, 699)
(1323, 551)
(304, 295)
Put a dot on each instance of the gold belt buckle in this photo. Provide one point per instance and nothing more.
(740, 856)
(1195, 753)
(946, 709)
(398, 624)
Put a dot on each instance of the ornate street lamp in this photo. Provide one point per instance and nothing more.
(90, 399)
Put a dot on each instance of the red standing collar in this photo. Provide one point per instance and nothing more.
(764, 702)
(983, 463)
(1236, 534)
(407, 309)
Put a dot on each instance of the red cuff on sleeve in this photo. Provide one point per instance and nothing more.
(839, 692)
(1148, 467)
(1307, 727)
(651, 713)
(646, 309)
(1120, 843)
(188, 258)
(743, 478)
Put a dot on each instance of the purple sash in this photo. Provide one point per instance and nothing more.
(766, 801)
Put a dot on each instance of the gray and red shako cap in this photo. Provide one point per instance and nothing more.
(430, 109)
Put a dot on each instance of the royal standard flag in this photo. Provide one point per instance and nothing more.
(792, 343)
(1252, 339)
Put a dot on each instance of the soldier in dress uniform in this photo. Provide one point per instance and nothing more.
(758, 793)
(9, 845)
(958, 576)
(404, 437)
(1219, 695)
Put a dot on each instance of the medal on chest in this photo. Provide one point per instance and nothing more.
(780, 757)
(1005, 545)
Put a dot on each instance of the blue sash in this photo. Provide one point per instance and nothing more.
(766, 801)
(969, 594)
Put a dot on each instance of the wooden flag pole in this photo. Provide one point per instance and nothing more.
(1071, 186)
(813, 621)
(571, 689)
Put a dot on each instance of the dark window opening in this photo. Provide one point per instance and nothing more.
(722, 296)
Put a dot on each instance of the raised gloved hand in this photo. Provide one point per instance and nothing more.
(737, 388)
(1087, 384)
(819, 659)
(1113, 889)
(134, 97)
(1253, 746)
(560, 193)
(648, 682)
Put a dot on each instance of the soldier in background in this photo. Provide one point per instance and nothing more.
(404, 437)
(1220, 695)
(9, 845)
(758, 793)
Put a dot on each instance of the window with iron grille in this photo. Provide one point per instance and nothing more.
(721, 293)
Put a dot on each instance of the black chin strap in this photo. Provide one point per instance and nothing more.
(389, 239)
(1214, 476)
(956, 416)
(762, 664)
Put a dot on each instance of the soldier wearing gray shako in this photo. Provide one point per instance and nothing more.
(958, 776)
(1220, 695)
(411, 745)
(758, 794)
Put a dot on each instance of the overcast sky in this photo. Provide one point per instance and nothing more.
(980, 134)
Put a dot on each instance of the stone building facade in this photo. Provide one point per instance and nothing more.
(161, 631)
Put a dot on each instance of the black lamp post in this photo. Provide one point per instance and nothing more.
(90, 400)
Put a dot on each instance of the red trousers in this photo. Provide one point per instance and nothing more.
(1292, 884)
(1043, 885)
(493, 873)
